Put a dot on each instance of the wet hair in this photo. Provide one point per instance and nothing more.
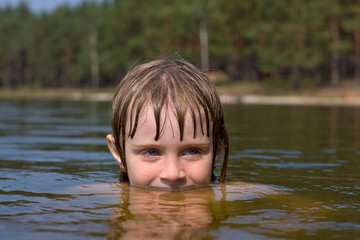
(158, 84)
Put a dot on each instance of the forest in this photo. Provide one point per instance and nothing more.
(292, 42)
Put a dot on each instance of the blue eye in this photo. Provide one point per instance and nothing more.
(152, 152)
(192, 151)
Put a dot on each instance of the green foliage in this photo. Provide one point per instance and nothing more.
(250, 40)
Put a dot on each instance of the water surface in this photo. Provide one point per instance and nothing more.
(294, 173)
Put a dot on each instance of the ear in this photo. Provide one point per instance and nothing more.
(112, 147)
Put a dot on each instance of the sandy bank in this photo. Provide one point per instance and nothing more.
(290, 100)
(342, 98)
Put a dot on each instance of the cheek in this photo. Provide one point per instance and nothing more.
(141, 174)
(200, 173)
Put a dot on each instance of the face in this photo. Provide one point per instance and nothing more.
(167, 162)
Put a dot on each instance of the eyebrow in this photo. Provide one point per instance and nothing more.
(199, 145)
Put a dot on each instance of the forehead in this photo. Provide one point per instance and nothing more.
(194, 122)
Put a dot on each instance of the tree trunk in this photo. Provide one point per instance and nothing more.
(294, 78)
(69, 60)
(317, 78)
(251, 72)
(335, 54)
(357, 55)
(94, 57)
(277, 76)
(204, 42)
(6, 83)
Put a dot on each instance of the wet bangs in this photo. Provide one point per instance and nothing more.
(166, 92)
(187, 98)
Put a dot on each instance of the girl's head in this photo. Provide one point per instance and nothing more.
(167, 126)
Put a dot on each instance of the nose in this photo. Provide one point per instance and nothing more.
(172, 171)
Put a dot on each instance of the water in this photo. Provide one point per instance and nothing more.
(294, 173)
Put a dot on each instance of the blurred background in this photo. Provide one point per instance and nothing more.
(91, 44)
(53, 152)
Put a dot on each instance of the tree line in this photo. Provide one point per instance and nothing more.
(294, 42)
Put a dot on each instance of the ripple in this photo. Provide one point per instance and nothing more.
(299, 165)
(267, 157)
(51, 140)
(33, 155)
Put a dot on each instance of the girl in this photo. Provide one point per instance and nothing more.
(168, 126)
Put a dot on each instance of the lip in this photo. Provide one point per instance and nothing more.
(182, 189)
(174, 185)
(177, 186)
(169, 186)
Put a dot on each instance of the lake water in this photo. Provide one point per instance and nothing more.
(294, 173)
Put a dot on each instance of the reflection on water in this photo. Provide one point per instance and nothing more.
(187, 214)
(293, 174)
(161, 214)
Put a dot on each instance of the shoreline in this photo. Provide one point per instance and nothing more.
(333, 97)
(290, 100)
